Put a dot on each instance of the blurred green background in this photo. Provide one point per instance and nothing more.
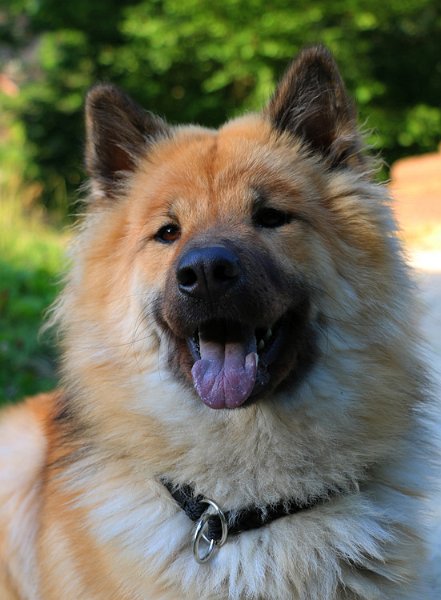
(188, 60)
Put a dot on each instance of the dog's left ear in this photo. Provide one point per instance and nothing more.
(312, 104)
(118, 133)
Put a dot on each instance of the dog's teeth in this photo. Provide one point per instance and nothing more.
(261, 345)
(196, 342)
(268, 333)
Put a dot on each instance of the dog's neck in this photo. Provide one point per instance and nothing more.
(242, 519)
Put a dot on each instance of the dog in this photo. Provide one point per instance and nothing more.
(243, 405)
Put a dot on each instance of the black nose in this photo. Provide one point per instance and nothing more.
(208, 272)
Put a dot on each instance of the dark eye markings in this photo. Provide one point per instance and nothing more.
(268, 217)
(168, 234)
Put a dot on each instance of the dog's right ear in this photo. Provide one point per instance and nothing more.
(118, 134)
(312, 104)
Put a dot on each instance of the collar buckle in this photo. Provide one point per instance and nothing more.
(201, 532)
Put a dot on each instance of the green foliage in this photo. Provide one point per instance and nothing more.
(30, 257)
(190, 60)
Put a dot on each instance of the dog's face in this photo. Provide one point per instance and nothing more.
(231, 228)
(230, 294)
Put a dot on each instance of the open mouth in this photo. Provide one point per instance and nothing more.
(232, 360)
(239, 328)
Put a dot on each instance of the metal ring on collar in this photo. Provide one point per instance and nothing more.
(199, 532)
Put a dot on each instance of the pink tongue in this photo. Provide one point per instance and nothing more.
(225, 375)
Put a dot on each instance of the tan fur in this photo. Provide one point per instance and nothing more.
(23, 447)
(82, 512)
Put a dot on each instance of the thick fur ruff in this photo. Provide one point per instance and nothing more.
(82, 511)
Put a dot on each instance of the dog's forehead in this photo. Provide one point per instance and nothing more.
(209, 171)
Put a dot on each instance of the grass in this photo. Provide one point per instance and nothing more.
(31, 258)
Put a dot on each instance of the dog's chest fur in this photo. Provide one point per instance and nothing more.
(349, 541)
(359, 545)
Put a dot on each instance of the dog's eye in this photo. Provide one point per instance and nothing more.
(168, 234)
(271, 217)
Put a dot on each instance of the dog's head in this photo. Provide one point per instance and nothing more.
(253, 268)
(228, 228)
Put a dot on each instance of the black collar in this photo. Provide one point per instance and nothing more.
(244, 519)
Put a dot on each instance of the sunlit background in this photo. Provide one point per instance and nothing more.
(190, 60)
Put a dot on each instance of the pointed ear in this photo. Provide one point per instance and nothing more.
(118, 133)
(312, 104)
